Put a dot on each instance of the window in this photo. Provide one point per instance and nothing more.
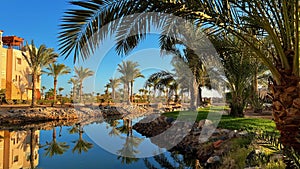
(16, 158)
(19, 60)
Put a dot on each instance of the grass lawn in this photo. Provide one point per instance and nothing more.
(227, 122)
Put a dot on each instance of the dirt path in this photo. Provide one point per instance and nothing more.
(264, 115)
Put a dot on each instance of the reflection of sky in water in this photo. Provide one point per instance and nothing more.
(97, 157)
(99, 133)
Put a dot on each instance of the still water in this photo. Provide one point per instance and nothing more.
(105, 144)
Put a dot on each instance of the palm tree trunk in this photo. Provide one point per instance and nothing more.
(128, 94)
(113, 93)
(124, 92)
(80, 92)
(199, 99)
(255, 82)
(54, 133)
(286, 110)
(194, 94)
(33, 101)
(237, 105)
(154, 91)
(54, 92)
(74, 92)
(131, 91)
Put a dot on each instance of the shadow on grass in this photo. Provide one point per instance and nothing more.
(228, 122)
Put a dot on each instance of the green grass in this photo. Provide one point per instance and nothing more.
(228, 122)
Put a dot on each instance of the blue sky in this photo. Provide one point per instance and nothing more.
(39, 20)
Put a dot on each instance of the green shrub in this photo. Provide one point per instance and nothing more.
(235, 159)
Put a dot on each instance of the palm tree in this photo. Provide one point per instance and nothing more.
(55, 147)
(114, 83)
(74, 83)
(152, 81)
(55, 70)
(129, 73)
(37, 59)
(81, 74)
(125, 90)
(190, 63)
(248, 20)
(164, 81)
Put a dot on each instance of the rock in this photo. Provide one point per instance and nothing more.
(170, 120)
(232, 134)
(204, 122)
(218, 143)
(225, 131)
(243, 133)
(214, 159)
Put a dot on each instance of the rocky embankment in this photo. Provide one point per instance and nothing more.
(55, 116)
(199, 139)
(43, 114)
(125, 111)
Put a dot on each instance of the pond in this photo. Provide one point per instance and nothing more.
(110, 143)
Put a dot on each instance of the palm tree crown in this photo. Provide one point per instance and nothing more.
(55, 70)
(114, 83)
(81, 75)
(37, 58)
(129, 73)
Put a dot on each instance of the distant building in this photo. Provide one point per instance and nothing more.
(15, 74)
(15, 149)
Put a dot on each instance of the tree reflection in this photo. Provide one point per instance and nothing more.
(128, 152)
(81, 144)
(55, 147)
(33, 143)
(114, 131)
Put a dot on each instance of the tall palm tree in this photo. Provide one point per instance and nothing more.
(125, 90)
(129, 73)
(55, 70)
(165, 81)
(55, 147)
(81, 74)
(114, 83)
(248, 20)
(152, 81)
(74, 83)
(37, 58)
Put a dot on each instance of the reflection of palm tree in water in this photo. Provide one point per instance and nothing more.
(55, 147)
(32, 146)
(126, 128)
(128, 153)
(81, 145)
(113, 124)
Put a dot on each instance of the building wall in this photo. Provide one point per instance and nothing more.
(15, 75)
(3, 53)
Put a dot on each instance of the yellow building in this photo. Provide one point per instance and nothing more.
(15, 74)
(15, 148)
